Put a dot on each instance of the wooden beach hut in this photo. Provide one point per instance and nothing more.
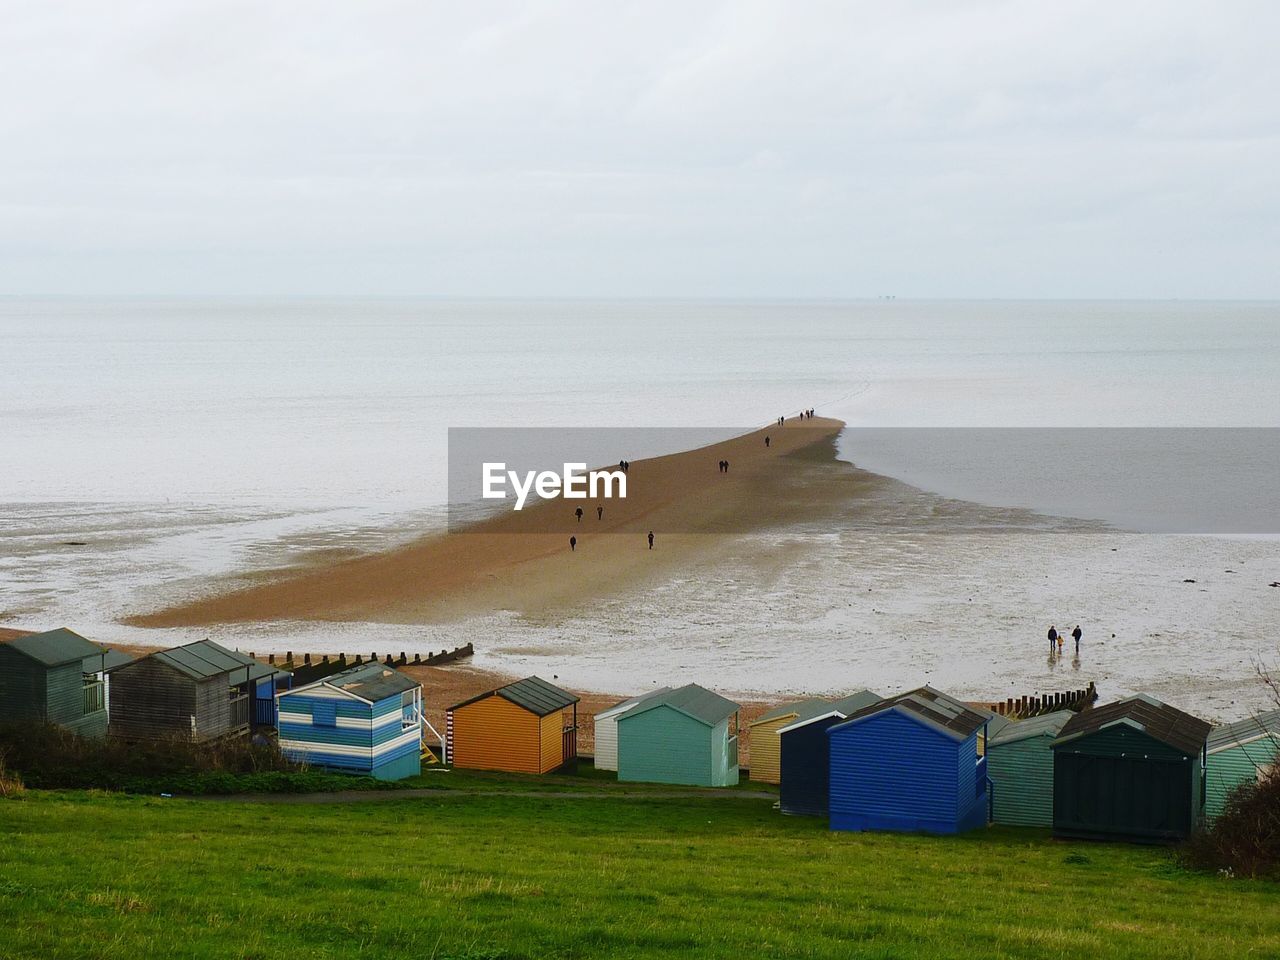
(805, 755)
(199, 692)
(1237, 753)
(367, 719)
(687, 735)
(606, 730)
(1129, 770)
(909, 763)
(529, 726)
(1020, 767)
(55, 677)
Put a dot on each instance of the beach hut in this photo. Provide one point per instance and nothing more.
(1129, 770)
(912, 763)
(1237, 753)
(54, 677)
(367, 719)
(199, 692)
(687, 735)
(606, 730)
(1020, 767)
(805, 755)
(529, 726)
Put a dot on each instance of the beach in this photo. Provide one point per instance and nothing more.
(290, 454)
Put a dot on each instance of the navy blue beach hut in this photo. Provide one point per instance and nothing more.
(914, 762)
(803, 783)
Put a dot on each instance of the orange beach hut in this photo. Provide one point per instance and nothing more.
(529, 726)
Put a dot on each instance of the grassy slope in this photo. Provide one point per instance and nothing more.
(84, 875)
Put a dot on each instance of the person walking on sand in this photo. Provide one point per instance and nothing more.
(1076, 634)
(573, 544)
(650, 539)
(599, 513)
(1061, 638)
(1053, 638)
(578, 513)
(766, 442)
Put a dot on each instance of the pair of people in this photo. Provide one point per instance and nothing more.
(1056, 639)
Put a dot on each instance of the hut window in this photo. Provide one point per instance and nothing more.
(324, 715)
(408, 715)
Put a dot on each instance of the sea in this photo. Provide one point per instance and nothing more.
(152, 444)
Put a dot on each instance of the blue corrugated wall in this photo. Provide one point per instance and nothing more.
(890, 772)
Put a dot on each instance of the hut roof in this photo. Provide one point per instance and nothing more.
(625, 705)
(1158, 720)
(53, 648)
(945, 714)
(693, 701)
(800, 709)
(1228, 735)
(370, 681)
(841, 708)
(109, 660)
(204, 659)
(1046, 724)
(532, 693)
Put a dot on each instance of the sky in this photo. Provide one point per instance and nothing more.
(650, 149)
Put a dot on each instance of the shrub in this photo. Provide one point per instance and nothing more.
(11, 784)
(1245, 840)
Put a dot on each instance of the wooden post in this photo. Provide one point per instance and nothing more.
(306, 659)
(271, 658)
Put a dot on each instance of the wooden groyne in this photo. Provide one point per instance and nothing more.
(1018, 708)
(309, 669)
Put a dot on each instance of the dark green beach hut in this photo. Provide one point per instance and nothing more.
(1020, 767)
(54, 677)
(1130, 770)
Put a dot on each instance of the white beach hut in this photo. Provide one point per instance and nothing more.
(606, 724)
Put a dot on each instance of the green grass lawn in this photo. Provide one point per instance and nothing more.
(499, 875)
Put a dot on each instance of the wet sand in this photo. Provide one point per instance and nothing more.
(521, 561)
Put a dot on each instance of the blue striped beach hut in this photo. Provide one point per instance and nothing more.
(367, 719)
(912, 763)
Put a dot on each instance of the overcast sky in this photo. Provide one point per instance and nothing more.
(752, 149)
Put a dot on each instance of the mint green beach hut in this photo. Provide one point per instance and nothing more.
(688, 735)
(1020, 767)
(1236, 753)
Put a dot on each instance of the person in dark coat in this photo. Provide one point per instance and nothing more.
(573, 544)
(766, 441)
(599, 513)
(1076, 634)
(1053, 638)
(578, 513)
(650, 539)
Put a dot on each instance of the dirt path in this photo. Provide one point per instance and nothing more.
(376, 796)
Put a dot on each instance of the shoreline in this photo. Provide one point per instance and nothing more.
(521, 561)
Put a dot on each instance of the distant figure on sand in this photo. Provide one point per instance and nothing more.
(766, 441)
(573, 544)
(599, 513)
(1076, 634)
(650, 539)
(578, 513)
(1053, 638)
(1060, 640)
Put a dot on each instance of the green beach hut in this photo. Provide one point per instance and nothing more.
(1237, 753)
(688, 735)
(55, 677)
(1020, 767)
